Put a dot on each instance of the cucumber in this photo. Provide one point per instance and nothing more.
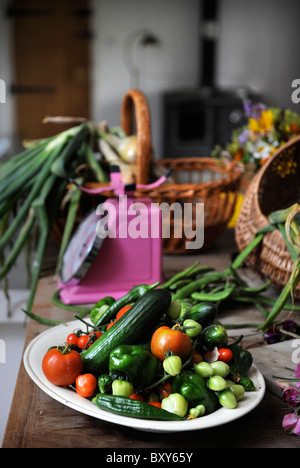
(203, 313)
(129, 329)
(124, 406)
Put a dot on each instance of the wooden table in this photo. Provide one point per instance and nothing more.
(38, 421)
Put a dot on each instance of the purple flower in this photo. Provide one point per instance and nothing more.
(291, 395)
(289, 423)
(297, 371)
(289, 325)
(297, 427)
(243, 137)
(272, 335)
(253, 110)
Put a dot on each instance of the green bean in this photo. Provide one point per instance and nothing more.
(56, 301)
(196, 285)
(183, 274)
(44, 321)
(213, 297)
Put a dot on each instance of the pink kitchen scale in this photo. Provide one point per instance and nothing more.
(115, 247)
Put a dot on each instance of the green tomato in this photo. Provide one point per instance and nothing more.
(203, 369)
(192, 328)
(216, 383)
(198, 411)
(174, 310)
(175, 403)
(172, 365)
(238, 391)
(227, 399)
(220, 368)
(122, 388)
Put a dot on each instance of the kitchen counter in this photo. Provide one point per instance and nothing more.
(38, 421)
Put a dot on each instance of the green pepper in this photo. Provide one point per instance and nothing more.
(194, 389)
(135, 362)
(242, 360)
(133, 295)
(100, 308)
(104, 383)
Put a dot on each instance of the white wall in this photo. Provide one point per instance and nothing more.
(259, 47)
(172, 64)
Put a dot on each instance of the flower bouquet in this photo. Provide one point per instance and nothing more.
(267, 129)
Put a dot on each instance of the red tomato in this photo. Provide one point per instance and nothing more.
(72, 339)
(165, 339)
(155, 403)
(110, 325)
(61, 367)
(225, 355)
(165, 389)
(82, 341)
(123, 311)
(137, 396)
(85, 385)
(197, 357)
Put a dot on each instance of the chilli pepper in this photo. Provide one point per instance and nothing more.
(136, 363)
(100, 308)
(242, 360)
(133, 295)
(194, 389)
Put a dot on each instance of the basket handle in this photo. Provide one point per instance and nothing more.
(136, 100)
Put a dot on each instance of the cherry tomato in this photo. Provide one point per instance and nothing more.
(123, 311)
(225, 355)
(61, 366)
(91, 337)
(155, 403)
(110, 325)
(82, 341)
(95, 335)
(165, 389)
(137, 396)
(197, 357)
(72, 339)
(165, 339)
(85, 385)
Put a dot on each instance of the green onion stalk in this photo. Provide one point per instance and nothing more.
(33, 187)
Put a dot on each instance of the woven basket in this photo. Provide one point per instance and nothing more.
(276, 186)
(195, 181)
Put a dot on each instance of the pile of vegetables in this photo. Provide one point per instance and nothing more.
(35, 190)
(134, 358)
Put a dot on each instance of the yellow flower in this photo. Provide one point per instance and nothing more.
(266, 120)
(254, 125)
(263, 124)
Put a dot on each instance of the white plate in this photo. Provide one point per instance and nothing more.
(56, 336)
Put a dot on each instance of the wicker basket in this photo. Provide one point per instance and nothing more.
(276, 186)
(195, 181)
